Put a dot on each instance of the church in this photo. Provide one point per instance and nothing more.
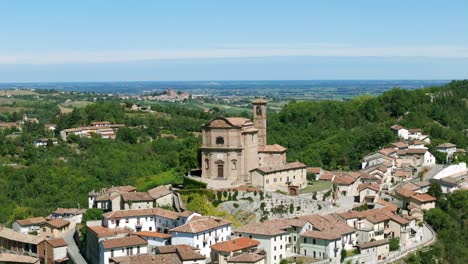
(234, 148)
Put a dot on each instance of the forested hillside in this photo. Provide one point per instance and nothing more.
(336, 135)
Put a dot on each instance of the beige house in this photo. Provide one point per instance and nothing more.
(280, 177)
(368, 192)
(54, 228)
(379, 248)
(162, 196)
(222, 252)
(235, 148)
(136, 200)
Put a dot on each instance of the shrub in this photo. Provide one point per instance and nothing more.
(394, 244)
(236, 205)
(193, 184)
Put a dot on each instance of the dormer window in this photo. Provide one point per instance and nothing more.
(219, 140)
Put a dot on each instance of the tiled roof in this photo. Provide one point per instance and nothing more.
(238, 121)
(73, 211)
(153, 234)
(235, 244)
(315, 170)
(396, 127)
(399, 145)
(148, 259)
(57, 223)
(327, 223)
(446, 145)
(10, 234)
(372, 186)
(271, 148)
(31, 221)
(344, 180)
(271, 227)
(373, 243)
(142, 212)
(322, 235)
(136, 196)
(327, 176)
(387, 151)
(121, 189)
(395, 217)
(102, 231)
(375, 216)
(285, 167)
(57, 242)
(185, 252)
(389, 206)
(201, 223)
(13, 258)
(159, 192)
(423, 197)
(123, 242)
(417, 151)
(415, 130)
(246, 258)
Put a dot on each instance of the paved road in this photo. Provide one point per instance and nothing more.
(73, 250)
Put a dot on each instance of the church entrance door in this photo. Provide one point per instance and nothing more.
(220, 171)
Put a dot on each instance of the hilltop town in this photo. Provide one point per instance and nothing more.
(168, 184)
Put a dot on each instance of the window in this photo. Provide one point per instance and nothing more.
(112, 253)
(267, 181)
(281, 247)
(43, 229)
(305, 239)
(313, 241)
(219, 140)
(274, 248)
(138, 250)
(207, 164)
(234, 164)
(126, 220)
(274, 180)
(150, 229)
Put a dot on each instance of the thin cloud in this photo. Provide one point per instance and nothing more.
(329, 50)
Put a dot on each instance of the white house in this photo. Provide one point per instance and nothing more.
(400, 131)
(152, 219)
(447, 148)
(202, 232)
(55, 251)
(321, 245)
(379, 248)
(108, 199)
(155, 239)
(72, 215)
(124, 246)
(29, 225)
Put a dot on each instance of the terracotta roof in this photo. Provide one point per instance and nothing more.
(102, 231)
(315, 170)
(418, 151)
(447, 145)
(373, 243)
(399, 145)
(31, 221)
(121, 189)
(327, 176)
(396, 127)
(415, 130)
(13, 258)
(186, 213)
(73, 211)
(402, 173)
(344, 180)
(10, 234)
(153, 234)
(57, 223)
(136, 196)
(350, 215)
(423, 197)
(159, 192)
(123, 242)
(201, 223)
(142, 212)
(271, 227)
(100, 123)
(246, 258)
(322, 235)
(272, 148)
(387, 151)
(57, 242)
(395, 217)
(389, 206)
(235, 244)
(288, 166)
(185, 252)
(147, 259)
(238, 121)
(375, 216)
(327, 224)
(372, 186)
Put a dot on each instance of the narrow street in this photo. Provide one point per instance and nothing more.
(73, 250)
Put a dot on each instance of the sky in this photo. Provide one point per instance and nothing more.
(53, 41)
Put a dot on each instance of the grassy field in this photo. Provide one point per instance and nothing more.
(148, 182)
(17, 92)
(317, 187)
(8, 109)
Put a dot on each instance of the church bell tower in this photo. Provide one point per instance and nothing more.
(259, 120)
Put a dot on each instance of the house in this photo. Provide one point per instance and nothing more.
(247, 258)
(321, 245)
(317, 171)
(280, 177)
(72, 215)
(424, 156)
(400, 145)
(19, 243)
(43, 142)
(369, 225)
(8, 258)
(97, 233)
(155, 239)
(401, 175)
(29, 225)
(414, 199)
(186, 253)
(124, 246)
(54, 228)
(152, 219)
(448, 148)
(202, 232)
(162, 196)
(221, 252)
(108, 199)
(416, 144)
(276, 236)
(347, 183)
(136, 200)
(400, 131)
(379, 248)
(103, 129)
(55, 251)
(423, 201)
(368, 192)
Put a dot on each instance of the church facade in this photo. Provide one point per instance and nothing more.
(234, 148)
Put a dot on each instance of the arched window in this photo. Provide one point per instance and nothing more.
(219, 140)
(258, 110)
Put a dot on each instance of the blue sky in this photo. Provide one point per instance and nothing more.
(232, 40)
